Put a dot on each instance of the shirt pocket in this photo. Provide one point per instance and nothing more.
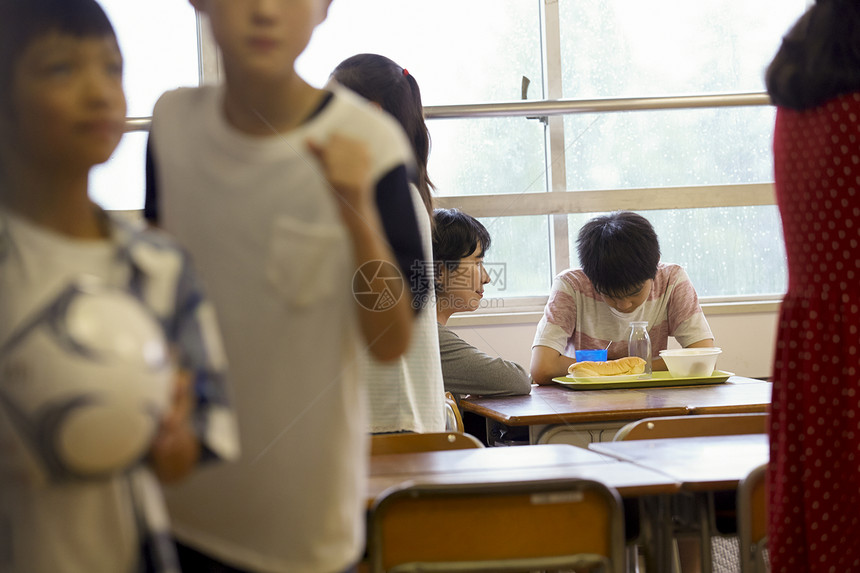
(307, 261)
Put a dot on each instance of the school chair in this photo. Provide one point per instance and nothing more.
(693, 426)
(453, 418)
(408, 443)
(752, 520)
(513, 526)
(712, 513)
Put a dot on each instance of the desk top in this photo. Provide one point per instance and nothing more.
(737, 396)
(555, 404)
(521, 463)
(703, 463)
(483, 460)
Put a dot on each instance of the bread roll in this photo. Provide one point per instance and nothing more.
(629, 365)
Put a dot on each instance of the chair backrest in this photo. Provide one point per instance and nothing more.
(453, 418)
(405, 443)
(537, 525)
(693, 426)
(752, 520)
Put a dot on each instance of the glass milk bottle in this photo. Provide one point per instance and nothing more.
(639, 343)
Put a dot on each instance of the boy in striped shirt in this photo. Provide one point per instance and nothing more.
(621, 280)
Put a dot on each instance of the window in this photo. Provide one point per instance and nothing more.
(472, 51)
(158, 40)
(668, 48)
(654, 106)
(700, 172)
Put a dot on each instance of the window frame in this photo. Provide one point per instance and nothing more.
(558, 202)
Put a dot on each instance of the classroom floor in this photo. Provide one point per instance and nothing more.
(724, 555)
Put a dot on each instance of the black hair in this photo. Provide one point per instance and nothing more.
(22, 21)
(618, 252)
(456, 235)
(381, 80)
(819, 58)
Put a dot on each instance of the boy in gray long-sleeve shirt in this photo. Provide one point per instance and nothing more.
(467, 370)
(459, 244)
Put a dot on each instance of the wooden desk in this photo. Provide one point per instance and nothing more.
(702, 465)
(595, 415)
(710, 463)
(483, 460)
(494, 465)
(737, 396)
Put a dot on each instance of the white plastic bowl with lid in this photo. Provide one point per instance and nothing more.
(690, 362)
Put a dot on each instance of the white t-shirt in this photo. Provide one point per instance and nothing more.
(76, 527)
(50, 521)
(264, 230)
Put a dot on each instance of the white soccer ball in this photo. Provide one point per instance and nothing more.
(85, 381)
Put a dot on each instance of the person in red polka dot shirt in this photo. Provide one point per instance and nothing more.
(814, 496)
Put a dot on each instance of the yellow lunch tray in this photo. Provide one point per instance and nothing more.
(660, 378)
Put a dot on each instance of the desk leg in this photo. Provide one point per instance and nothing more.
(692, 515)
(703, 513)
(534, 434)
(657, 534)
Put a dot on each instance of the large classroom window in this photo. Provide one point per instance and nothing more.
(159, 45)
(544, 113)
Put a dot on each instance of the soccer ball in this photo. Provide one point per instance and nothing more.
(85, 381)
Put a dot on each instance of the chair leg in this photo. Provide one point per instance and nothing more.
(704, 511)
(694, 545)
(632, 558)
(688, 554)
(657, 534)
